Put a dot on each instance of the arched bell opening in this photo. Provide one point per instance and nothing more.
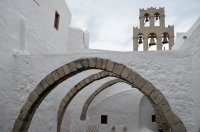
(152, 41)
(140, 42)
(165, 41)
(157, 19)
(146, 20)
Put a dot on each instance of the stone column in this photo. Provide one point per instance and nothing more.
(141, 22)
(171, 42)
(162, 21)
(159, 43)
(145, 44)
(151, 21)
(135, 44)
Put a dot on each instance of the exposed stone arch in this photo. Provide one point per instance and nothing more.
(88, 80)
(103, 87)
(66, 71)
(95, 93)
(75, 90)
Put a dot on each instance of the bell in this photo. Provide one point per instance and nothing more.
(165, 40)
(140, 40)
(146, 19)
(157, 18)
(152, 42)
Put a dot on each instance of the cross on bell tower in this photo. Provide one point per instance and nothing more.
(152, 33)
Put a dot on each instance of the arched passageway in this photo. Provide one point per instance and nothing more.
(107, 85)
(61, 74)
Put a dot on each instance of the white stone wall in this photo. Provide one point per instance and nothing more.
(192, 45)
(27, 27)
(169, 71)
(77, 37)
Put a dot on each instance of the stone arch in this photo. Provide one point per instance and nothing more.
(82, 84)
(66, 71)
(95, 93)
(145, 115)
(105, 86)
(74, 91)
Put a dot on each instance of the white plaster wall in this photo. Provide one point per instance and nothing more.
(78, 40)
(194, 39)
(178, 43)
(145, 115)
(192, 36)
(169, 71)
(27, 27)
(192, 45)
(122, 109)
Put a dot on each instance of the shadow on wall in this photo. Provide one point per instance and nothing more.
(145, 130)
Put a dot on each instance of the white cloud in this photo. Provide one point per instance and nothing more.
(110, 22)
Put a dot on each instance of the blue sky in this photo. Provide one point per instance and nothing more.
(110, 22)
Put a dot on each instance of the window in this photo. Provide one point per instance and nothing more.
(56, 21)
(153, 118)
(104, 119)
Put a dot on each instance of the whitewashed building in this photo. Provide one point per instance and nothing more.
(36, 39)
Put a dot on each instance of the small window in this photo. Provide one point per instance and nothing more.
(56, 21)
(104, 119)
(153, 118)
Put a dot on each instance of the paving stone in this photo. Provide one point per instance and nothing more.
(111, 74)
(72, 67)
(179, 127)
(118, 68)
(109, 66)
(85, 63)
(82, 83)
(104, 63)
(79, 65)
(156, 96)
(49, 79)
(74, 90)
(125, 73)
(55, 76)
(95, 76)
(139, 82)
(102, 74)
(66, 69)
(171, 118)
(98, 75)
(66, 98)
(131, 77)
(99, 63)
(33, 96)
(164, 106)
(44, 84)
(62, 104)
(92, 62)
(39, 89)
(60, 112)
(61, 72)
(91, 78)
(25, 109)
(78, 86)
(87, 80)
(148, 88)
(18, 124)
(70, 94)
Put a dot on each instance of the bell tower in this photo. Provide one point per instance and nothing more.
(152, 33)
